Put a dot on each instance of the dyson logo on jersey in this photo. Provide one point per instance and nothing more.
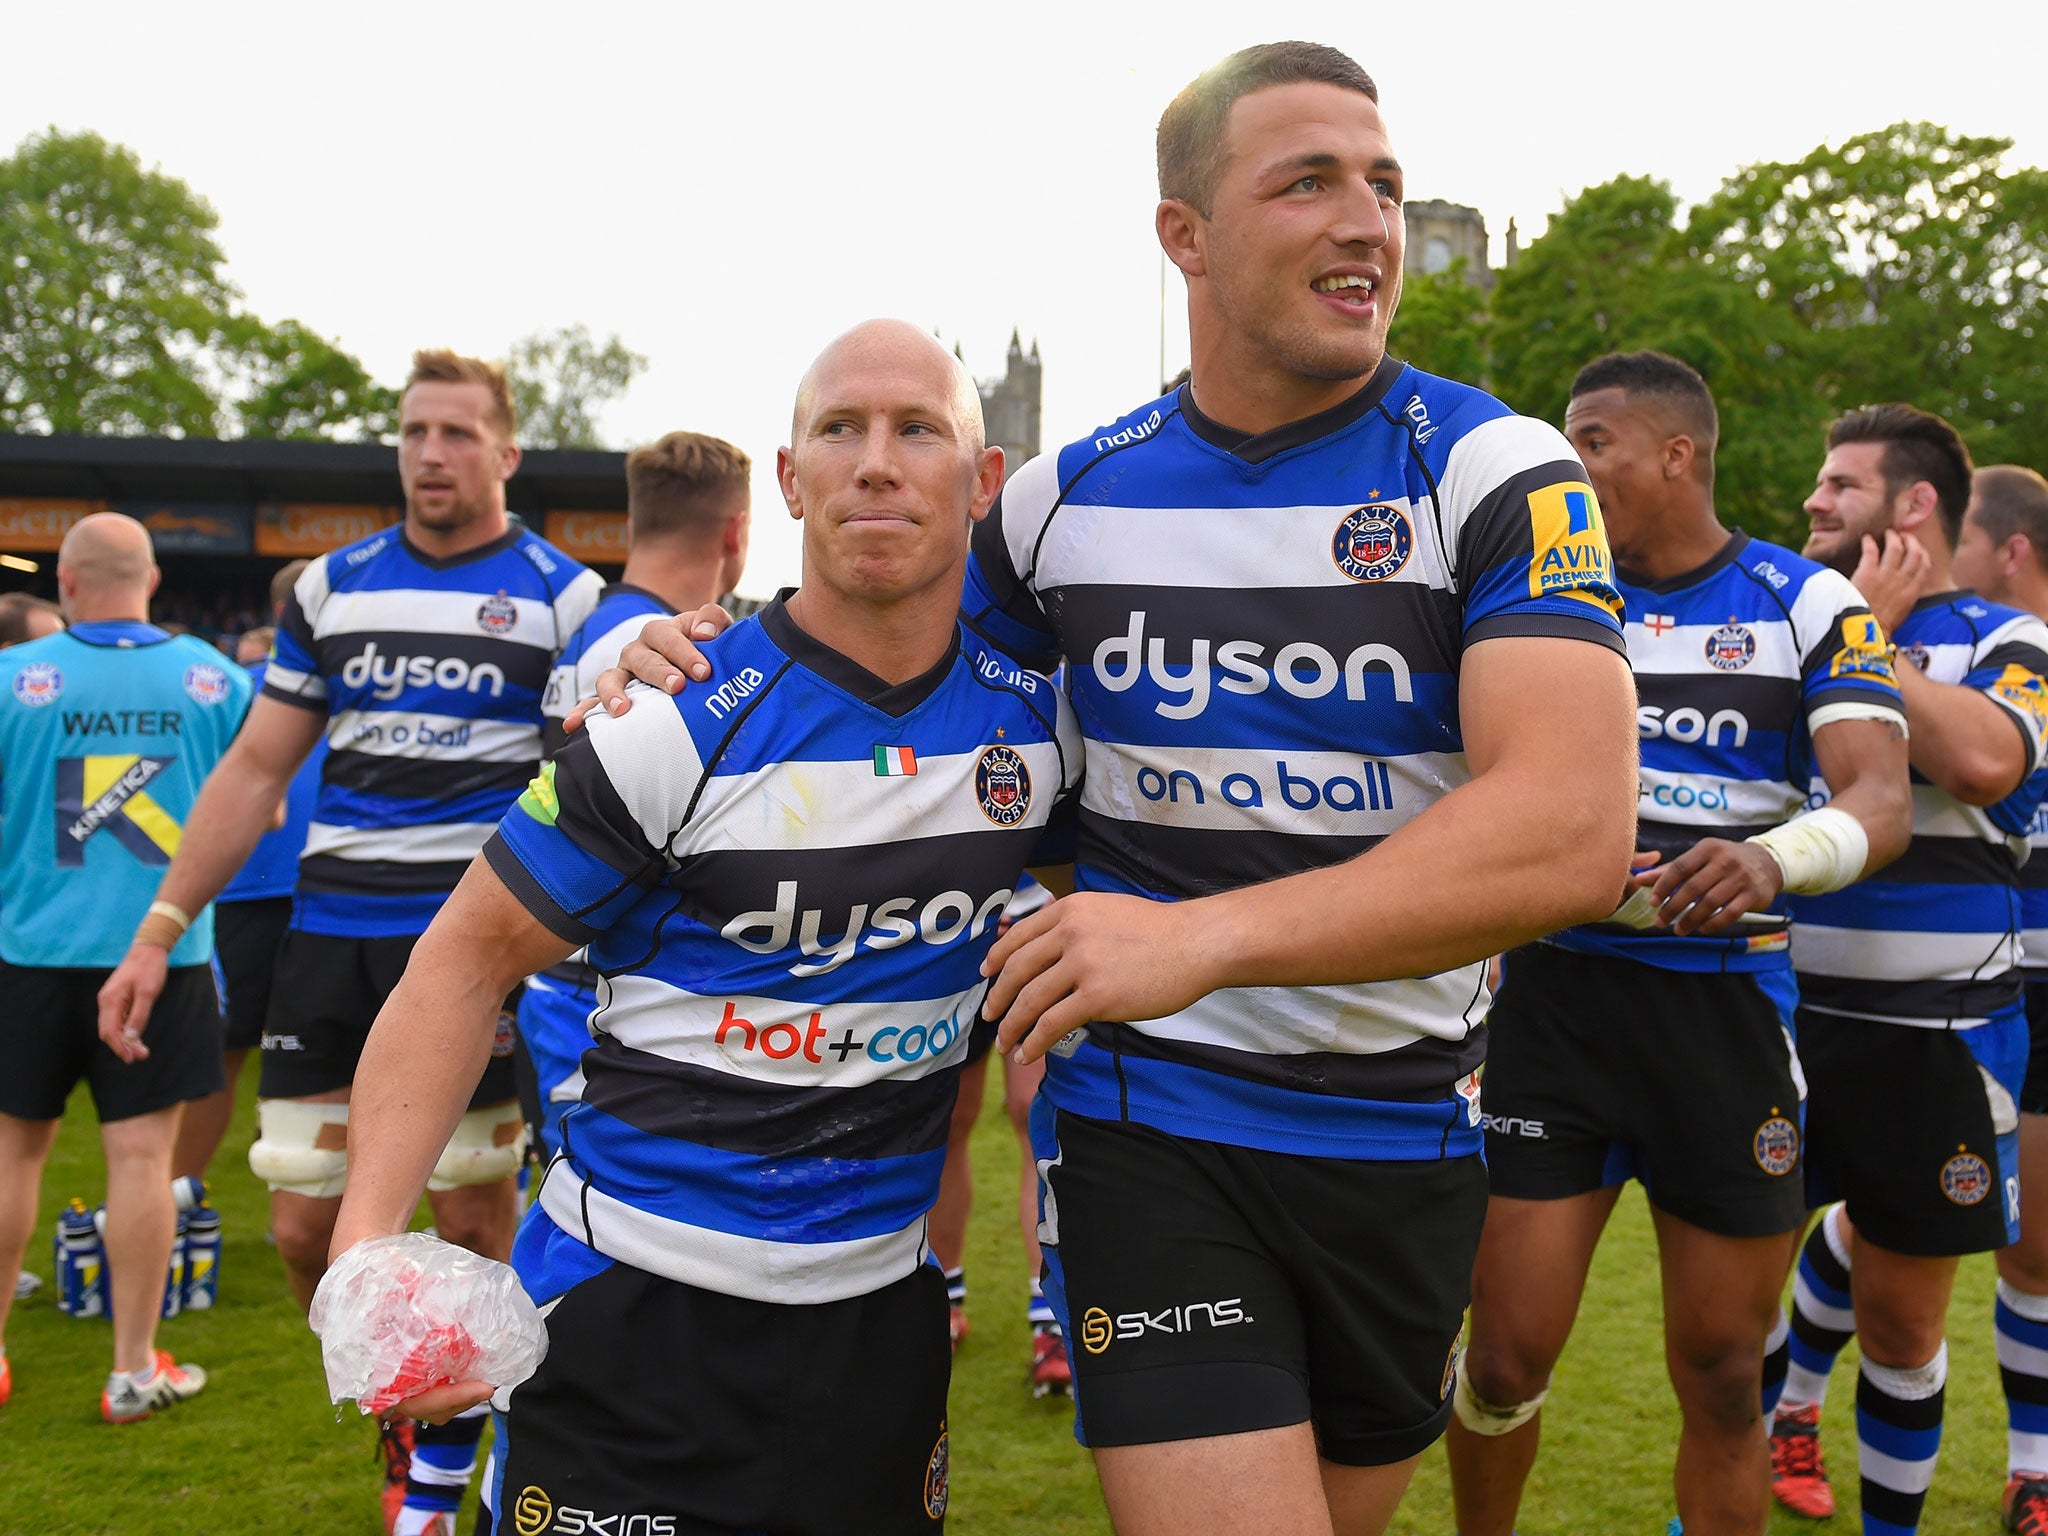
(1303, 668)
(388, 676)
(947, 917)
(1689, 725)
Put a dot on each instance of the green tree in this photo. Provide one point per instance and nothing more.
(1441, 324)
(116, 315)
(562, 379)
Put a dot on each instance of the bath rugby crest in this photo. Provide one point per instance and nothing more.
(1372, 543)
(1003, 784)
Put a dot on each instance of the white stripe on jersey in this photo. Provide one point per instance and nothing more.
(1185, 787)
(1705, 800)
(1876, 954)
(1197, 547)
(574, 680)
(650, 1015)
(438, 843)
(1487, 457)
(649, 756)
(1681, 651)
(304, 685)
(376, 734)
(754, 1268)
(411, 611)
(1356, 1018)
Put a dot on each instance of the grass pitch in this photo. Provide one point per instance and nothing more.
(262, 1452)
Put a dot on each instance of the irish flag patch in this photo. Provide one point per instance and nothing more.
(895, 762)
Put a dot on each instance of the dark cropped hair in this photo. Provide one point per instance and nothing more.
(1664, 377)
(1918, 445)
(1191, 128)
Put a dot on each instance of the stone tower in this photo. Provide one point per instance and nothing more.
(1010, 405)
(1439, 233)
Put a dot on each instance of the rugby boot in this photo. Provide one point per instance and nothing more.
(6, 1379)
(2025, 1508)
(127, 1400)
(1799, 1481)
(957, 1326)
(1050, 1370)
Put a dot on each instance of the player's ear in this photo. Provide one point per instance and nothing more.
(785, 476)
(1180, 236)
(988, 481)
(1920, 506)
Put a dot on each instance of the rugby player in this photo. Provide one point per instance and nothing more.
(112, 726)
(788, 883)
(689, 503)
(2002, 555)
(250, 918)
(421, 653)
(1912, 1029)
(1344, 643)
(1663, 1051)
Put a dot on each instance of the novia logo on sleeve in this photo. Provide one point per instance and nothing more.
(946, 918)
(1304, 669)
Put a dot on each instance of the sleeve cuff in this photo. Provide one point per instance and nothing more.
(528, 893)
(296, 700)
(1547, 626)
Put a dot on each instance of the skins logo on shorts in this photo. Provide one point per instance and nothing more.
(1097, 1331)
(1450, 1374)
(532, 1512)
(497, 615)
(1568, 547)
(1731, 647)
(1777, 1146)
(38, 684)
(1372, 543)
(1003, 785)
(938, 1475)
(206, 684)
(1966, 1178)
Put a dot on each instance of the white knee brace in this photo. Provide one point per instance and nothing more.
(489, 1144)
(1484, 1418)
(287, 1154)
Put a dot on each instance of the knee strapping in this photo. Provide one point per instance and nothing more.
(489, 1144)
(287, 1153)
(1484, 1418)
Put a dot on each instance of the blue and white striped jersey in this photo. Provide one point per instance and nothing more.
(1737, 663)
(1264, 636)
(2034, 900)
(1934, 938)
(788, 882)
(431, 673)
(622, 611)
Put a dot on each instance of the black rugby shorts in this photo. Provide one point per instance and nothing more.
(247, 936)
(50, 1034)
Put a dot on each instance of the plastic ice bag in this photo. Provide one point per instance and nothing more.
(399, 1315)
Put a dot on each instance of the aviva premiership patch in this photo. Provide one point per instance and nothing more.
(1864, 652)
(539, 801)
(1569, 557)
(2025, 691)
(1372, 543)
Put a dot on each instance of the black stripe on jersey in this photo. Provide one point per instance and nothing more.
(323, 874)
(1767, 703)
(1822, 656)
(292, 620)
(423, 778)
(593, 816)
(1499, 530)
(892, 1118)
(1911, 999)
(1420, 1073)
(2034, 875)
(1949, 861)
(1183, 862)
(1671, 838)
(2014, 653)
(1550, 626)
(524, 666)
(296, 700)
(1418, 621)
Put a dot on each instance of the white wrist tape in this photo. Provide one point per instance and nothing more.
(1822, 850)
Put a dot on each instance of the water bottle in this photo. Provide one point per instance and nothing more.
(202, 1258)
(174, 1277)
(81, 1263)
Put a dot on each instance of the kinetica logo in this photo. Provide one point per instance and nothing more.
(97, 794)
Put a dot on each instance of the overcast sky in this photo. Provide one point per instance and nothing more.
(727, 191)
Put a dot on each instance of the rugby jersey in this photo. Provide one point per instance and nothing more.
(107, 730)
(1264, 636)
(788, 882)
(622, 611)
(2034, 900)
(1736, 664)
(431, 672)
(1934, 938)
(273, 866)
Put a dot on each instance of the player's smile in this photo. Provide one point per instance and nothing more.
(1352, 290)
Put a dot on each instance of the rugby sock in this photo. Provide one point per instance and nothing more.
(1822, 1317)
(443, 1457)
(1039, 1312)
(1898, 1432)
(956, 1286)
(1777, 1360)
(2023, 1366)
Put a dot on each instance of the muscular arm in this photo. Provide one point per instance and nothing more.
(1962, 742)
(1537, 840)
(429, 1044)
(1864, 763)
(238, 803)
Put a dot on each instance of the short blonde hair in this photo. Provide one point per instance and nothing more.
(441, 365)
(684, 483)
